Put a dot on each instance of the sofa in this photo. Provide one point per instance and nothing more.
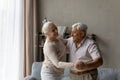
(103, 73)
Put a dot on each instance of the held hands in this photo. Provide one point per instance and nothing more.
(79, 65)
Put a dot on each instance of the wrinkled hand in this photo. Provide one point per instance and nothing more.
(79, 65)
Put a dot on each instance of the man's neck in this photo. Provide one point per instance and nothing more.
(77, 43)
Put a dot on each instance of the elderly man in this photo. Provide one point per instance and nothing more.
(84, 52)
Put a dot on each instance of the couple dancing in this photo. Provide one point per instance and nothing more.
(84, 54)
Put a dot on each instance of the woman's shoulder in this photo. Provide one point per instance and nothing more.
(49, 44)
(60, 39)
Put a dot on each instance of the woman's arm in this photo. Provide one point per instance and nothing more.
(51, 53)
(63, 40)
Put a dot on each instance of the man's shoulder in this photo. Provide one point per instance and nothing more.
(70, 39)
(89, 41)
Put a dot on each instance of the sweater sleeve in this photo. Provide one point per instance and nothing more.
(51, 53)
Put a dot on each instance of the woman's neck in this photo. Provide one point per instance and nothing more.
(52, 39)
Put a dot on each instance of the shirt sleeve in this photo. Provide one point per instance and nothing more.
(94, 51)
(51, 53)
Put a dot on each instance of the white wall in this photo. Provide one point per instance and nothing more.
(101, 16)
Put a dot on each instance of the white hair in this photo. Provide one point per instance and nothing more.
(45, 27)
(80, 26)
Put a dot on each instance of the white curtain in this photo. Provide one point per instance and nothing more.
(11, 39)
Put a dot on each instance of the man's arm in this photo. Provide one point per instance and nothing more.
(94, 63)
(89, 65)
(96, 58)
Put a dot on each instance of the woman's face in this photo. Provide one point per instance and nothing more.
(53, 32)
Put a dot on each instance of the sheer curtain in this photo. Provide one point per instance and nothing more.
(11, 40)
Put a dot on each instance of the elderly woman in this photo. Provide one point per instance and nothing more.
(54, 53)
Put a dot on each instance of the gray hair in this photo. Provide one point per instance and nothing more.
(80, 26)
(45, 27)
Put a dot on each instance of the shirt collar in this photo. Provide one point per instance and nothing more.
(80, 44)
(83, 40)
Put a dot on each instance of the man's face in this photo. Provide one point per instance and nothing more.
(77, 35)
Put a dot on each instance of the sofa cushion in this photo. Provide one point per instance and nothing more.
(118, 74)
(107, 74)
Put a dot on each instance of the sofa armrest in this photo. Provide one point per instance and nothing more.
(30, 78)
(36, 69)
